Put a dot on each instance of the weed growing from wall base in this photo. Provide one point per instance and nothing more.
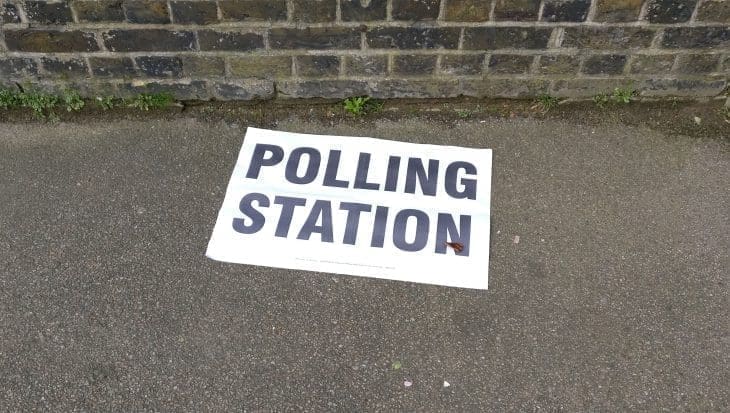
(147, 101)
(41, 104)
(106, 102)
(72, 100)
(621, 96)
(362, 105)
(545, 102)
(9, 99)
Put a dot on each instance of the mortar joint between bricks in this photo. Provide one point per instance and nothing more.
(656, 42)
(389, 10)
(289, 11)
(485, 63)
(338, 11)
(556, 38)
(89, 70)
(643, 11)
(218, 11)
(540, 10)
(442, 11)
(227, 68)
(342, 69)
(627, 65)
(693, 17)
(492, 6)
(535, 65)
(384, 24)
(196, 40)
(592, 11)
(675, 65)
(169, 11)
(74, 14)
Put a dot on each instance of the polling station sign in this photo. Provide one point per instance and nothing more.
(358, 206)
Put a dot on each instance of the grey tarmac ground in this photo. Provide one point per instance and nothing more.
(614, 299)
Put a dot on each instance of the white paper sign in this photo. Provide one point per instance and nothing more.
(358, 206)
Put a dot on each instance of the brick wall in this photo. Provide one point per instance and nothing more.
(249, 49)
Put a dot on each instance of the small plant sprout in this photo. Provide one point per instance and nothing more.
(545, 102)
(41, 104)
(623, 95)
(362, 105)
(601, 99)
(9, 99)
(105, 102)
(147, 101)
(464, 113)
(72, 100)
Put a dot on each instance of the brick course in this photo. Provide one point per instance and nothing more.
(260, 49)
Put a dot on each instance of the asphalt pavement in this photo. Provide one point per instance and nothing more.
(615, 297)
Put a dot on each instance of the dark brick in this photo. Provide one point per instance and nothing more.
(148, 40)
(50, 41)
(415, 9)
(147, 11)
(509, 64)
(468, 10)
(65, 68)
(160, 66)
(9, 13)
(366, 65)
(695, 64)
(652, 64)
(87, 88)
(468, 64)
(17, 66)
(314, 11)
(194, 12)
(356, 10)
(112, 66)
(322, 88)
(682, 87)
(244, 90)
(504, 88)
(315, 38)
(696, 37)
(571, 87)
(490, 38)
(414, 65)
(203, 66)
(230, 41)
(413, 38)
(617, 10)
(316, 66)
(48, 13)
(193, 90)
(99, 11)
(716, 11)
(263, 67)
(558, 65)
(607, 37)
(516, 10)
(565, 10)
(608, 64)
(415, 88)
(239, 10)
(670, 11)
